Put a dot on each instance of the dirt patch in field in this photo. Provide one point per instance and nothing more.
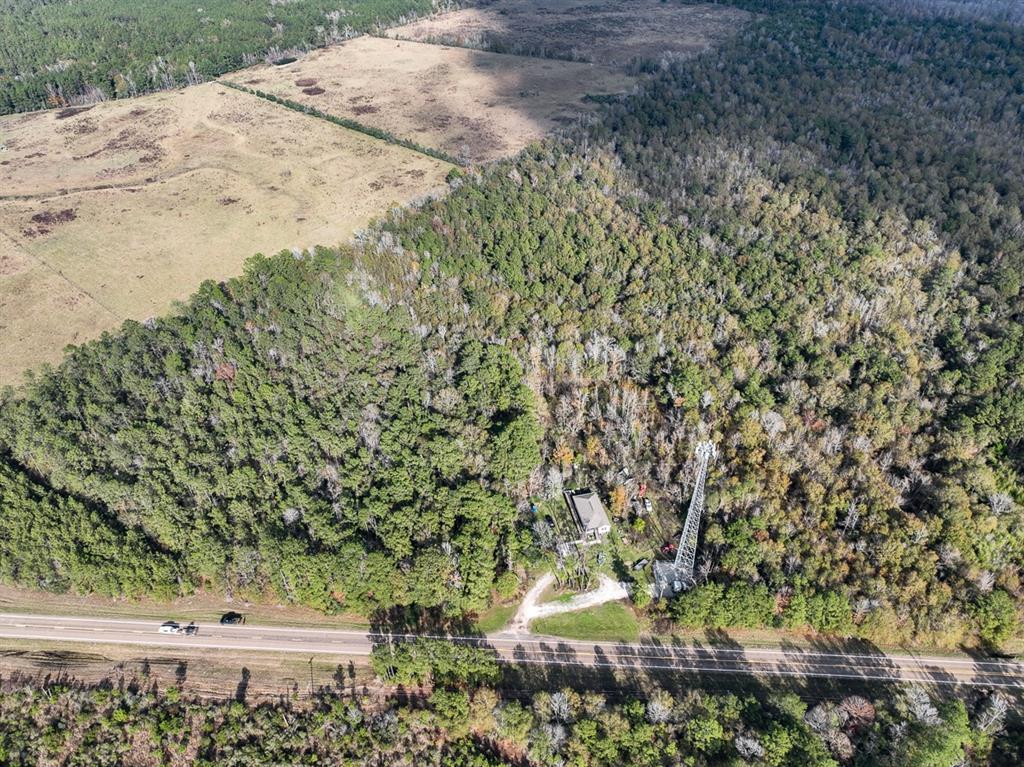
(313, 91)
(612, 32)
(71, 112)
(473, 105)
(46, 220)
(121, 219)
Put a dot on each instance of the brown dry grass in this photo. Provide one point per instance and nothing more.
(472, 105)
(612, 32)
(202, 672)
(117, 211)
(205, 671)
(32, 294)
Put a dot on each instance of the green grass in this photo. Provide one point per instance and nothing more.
(495, 618)
(553, 594)
(610, 622)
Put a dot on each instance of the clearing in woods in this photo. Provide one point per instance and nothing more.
(116, 211)
(611, 32)
(472, 105)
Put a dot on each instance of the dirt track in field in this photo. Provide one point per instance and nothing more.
(117, 211)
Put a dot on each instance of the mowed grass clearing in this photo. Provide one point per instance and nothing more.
(117, 211)
(611, 622)
(471, 105)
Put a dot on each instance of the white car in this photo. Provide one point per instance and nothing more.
(173, 627)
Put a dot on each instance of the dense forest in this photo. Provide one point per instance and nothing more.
(863, 172)
(138, 723)
(798, 247)
(58, 52)
(335, 461)
(806, 246)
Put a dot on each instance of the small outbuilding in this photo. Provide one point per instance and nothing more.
(589, 514)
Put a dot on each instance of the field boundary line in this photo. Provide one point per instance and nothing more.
(54, 270)
(439, 43)
(111, 187)
(345, 122)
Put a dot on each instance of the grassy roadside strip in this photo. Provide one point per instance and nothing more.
(202, 608)
(495, 618)
(344, 122)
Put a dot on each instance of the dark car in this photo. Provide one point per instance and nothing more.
(232, 619)
(191, 629)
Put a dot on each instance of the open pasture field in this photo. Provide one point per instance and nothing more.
(472, 105)
(118, 210)
(612, 32)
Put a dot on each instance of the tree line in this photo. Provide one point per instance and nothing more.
(455, 726)
(59, 53)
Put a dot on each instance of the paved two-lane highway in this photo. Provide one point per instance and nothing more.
(651, 656)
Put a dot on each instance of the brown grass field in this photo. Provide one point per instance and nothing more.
(119, 210)
(204, 673)
(473, 105)
(612, 32)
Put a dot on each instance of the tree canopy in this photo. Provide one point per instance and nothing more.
(282, 436)
(805, 246)
(59, 53)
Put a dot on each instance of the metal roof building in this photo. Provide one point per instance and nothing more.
(589, 513)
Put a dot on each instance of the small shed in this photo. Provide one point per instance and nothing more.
(589, 514)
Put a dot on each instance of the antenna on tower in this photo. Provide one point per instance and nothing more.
(672, 577)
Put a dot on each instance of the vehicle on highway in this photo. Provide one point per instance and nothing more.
(232, 619)
(173, 627)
